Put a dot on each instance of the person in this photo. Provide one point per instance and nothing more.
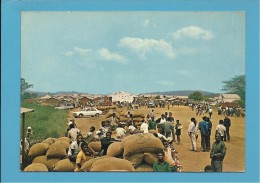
(104, 128)
(130, 120)
(105, 142)
(133, 130)
(227, 124)
(171, 119)
(90, 135)
(83, 155)
(168, 129)
(113, 121)
(120, 132)
(203, 127)
(217, 153)
(72, 134)
(208, 168)
(152, 124)
(144, 127)
(75, 148)
(210, 112)
(209, 133)
(178, 128)
(151, 114)
(221, 129)
(160, 124)
(192, 134)
(170, 155)
(161, 165)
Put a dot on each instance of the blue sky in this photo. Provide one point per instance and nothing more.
(137, 52)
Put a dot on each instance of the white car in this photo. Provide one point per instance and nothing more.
(89, 111)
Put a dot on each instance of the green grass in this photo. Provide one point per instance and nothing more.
(45, 121)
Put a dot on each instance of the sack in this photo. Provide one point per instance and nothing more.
(180, 127)
(150, 158)
(49, 163)
(64, 166)
(96, 146)
(114, 149)
(88, 164)
(141, 143)
(50, 141)
(135, 159)
(58, 150)
(67, 139)
(111, 164)
(38, 149)
(36, 167)
(144, 168)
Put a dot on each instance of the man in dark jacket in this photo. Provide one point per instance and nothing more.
(203, 127)
(217, 154)
(209, 133)
(106, 141)
(227, 124)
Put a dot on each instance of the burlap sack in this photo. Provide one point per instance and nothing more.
(114, 149)
(36, 167)
(50, 141)
(138, 114)
(150, 158)
(38, 149)
(58, 150)
(137, 119)
(40, 159)
(135, 159)
(88, 164)
(111, 164)
(152, 131)
(109, 114)
(144, 168)
(49, 163)
(64, 165)
(123, 119)
(67, 139)
(141, 143)
(96, 146)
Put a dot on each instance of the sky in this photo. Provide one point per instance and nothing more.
(103, 52)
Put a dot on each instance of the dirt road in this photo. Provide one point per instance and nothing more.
(192, 161)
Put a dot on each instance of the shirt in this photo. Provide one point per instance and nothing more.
(219, 151)
(120, 132)
(210, 110)
(168, 126)
(144, 127)
(203, 127)
(152, 125)
(75, 146)
(73, 134)
(164, 167)
(221, 129)
(192, 128)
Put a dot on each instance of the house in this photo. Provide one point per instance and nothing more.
(122, 97)
(224, 98)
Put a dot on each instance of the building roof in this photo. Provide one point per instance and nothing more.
(230, 96)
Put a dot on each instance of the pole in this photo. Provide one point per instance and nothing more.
(23, 141)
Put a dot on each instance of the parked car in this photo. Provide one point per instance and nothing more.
(151, 104)
(89, 111)
(65, 106)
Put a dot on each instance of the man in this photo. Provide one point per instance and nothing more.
(208, 135)
(152, 124)
(171, 119)
(133, 130)
(105, 142)
(168, 129)
(90, 135)
(192, 134)
(114, 121)
(72, 134)
(75, 148)
(120, 132)
(203, 127)
(151, 114)
(227, 124)
(144, 127)
(161, 165)
(221, 129)
(160, 124)
(217, 154)
(210, 112)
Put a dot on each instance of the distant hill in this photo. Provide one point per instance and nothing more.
(183, 93)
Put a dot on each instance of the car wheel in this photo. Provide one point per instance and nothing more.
(97, 115)
(80, 115)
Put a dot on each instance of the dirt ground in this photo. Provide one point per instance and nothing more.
(191, 161)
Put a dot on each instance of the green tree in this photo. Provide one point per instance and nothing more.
(197, 96)
(25, 85)
(236, 85)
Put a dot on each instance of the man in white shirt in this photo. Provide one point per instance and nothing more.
(75, 148)
(144, 127)
(120, 132)
(72, 134)
(210, 112)
(192, 132)
(221, 129)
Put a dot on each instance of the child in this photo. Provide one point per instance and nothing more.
(178, 128)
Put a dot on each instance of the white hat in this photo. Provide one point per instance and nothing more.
(69, 123)
(29, 128)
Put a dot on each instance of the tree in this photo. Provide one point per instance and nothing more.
(236, 85)
(25, 85)
(197, 96)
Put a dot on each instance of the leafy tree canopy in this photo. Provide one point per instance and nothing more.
(236, 85)
(197, 96)
(25, 85)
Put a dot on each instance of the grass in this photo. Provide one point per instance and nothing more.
(45, 121)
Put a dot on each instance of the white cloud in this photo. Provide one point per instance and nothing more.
(68, 53)
(144, 47)
(109, 56)
(81, 51)
(193, 32)
(166, 83)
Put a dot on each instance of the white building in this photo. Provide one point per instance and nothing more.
(122, 97)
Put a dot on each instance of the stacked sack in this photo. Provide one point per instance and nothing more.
(52, 153)
(137, 117)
